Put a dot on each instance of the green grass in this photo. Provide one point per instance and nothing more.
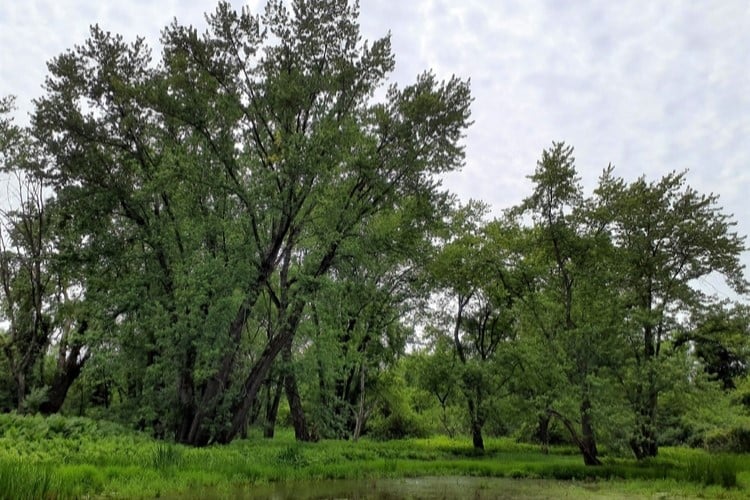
(73, 458)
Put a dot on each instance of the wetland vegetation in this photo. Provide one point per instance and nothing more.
(231, 268)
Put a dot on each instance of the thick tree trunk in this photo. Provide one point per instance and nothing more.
(588, 439)
(543, 433)
(476, 435)
(66, 374)
(260, 371)
(476, 425)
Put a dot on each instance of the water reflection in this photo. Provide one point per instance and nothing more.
(424, 488)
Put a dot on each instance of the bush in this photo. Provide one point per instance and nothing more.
(399, 425)
(735, 439)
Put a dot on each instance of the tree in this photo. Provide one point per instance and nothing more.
(668, 236)
(237, 168)
(571, 310)
(34, 289)
(469, 271)
(720, 335)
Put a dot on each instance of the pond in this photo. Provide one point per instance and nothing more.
(425, 488)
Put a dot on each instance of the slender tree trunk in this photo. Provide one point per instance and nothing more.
(20, 391)
(299, 421)
(361, 411)
(272, 408)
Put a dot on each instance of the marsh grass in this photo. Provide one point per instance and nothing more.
(21, 481)
(721, 470)
(60, 459)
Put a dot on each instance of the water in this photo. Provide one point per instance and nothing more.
(423, 488)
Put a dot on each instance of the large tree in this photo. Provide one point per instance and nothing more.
(235, 168)
(668, 236)
(570, 311)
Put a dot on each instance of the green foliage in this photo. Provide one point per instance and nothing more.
(25, 481)
(124, 464)
(713, 469)
(734, 439)
(166, 455)
(292, 456)
(395, 417)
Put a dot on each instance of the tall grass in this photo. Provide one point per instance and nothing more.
(713, 469)
(21, 481)
(61, 459)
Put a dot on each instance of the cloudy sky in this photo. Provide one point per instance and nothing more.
(649, 86)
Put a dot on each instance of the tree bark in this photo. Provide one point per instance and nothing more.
(361, 409)
(543, 433)
(272, 408)
(64, 378)
(476, 425)
(299, 421)
(588, 452)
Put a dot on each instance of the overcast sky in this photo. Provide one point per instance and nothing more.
(649, 86)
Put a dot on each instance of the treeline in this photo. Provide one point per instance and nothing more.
(249, 225)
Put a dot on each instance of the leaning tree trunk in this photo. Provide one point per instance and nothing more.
(272, 407)
(587, 446)
(66, 374)
(588, 440)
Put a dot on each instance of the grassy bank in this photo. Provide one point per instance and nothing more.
(72, 458)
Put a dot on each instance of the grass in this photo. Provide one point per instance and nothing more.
(74, 458)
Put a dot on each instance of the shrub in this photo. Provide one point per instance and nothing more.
(735, 439)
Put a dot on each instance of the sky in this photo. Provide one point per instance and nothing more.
(648, 86)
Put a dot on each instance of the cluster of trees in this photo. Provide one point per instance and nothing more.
(254, 220)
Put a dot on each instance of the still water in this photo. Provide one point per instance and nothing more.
(424, 488)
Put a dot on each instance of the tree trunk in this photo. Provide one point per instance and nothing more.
(20, 391)
(272, 408)
(588, 439)
(476, 435)
(361, 411)
(292, 394)
(64, 378)
(476, 425)
(543, 433)
(587, 448)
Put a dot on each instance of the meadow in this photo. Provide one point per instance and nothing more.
(61, 457)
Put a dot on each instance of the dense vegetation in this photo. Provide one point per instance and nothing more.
(251, 229)
(71, 457)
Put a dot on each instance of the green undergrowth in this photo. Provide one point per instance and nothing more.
(61, 457)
